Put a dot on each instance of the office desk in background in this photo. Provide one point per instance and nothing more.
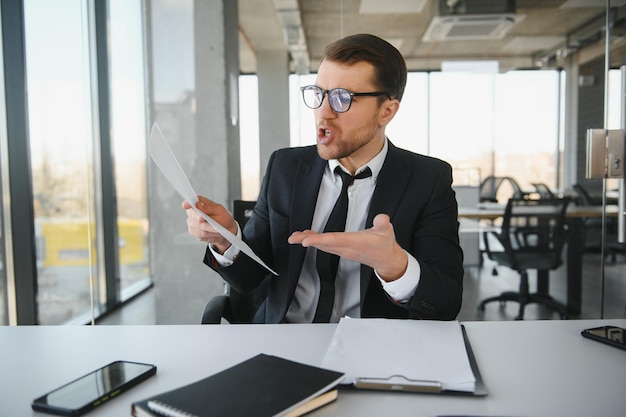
(575, 246)
(530, 368)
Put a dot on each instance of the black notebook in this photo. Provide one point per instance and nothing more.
(261, 386)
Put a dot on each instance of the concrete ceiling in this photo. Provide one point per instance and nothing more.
(545, 31)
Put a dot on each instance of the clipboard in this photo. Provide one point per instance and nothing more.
(401, 383)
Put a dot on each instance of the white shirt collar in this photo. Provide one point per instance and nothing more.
(375, 164)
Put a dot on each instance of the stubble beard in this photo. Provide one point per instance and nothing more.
(345, 148)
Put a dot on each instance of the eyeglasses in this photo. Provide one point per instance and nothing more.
(339, 99)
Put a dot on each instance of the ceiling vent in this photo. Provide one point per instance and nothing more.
(459, 20)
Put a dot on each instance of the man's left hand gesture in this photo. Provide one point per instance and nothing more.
(375, 247)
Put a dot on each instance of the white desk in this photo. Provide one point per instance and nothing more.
(530, 368)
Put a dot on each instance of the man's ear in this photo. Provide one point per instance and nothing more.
(388, 110)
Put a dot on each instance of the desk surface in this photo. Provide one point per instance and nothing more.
(530, 368)
(493, 211)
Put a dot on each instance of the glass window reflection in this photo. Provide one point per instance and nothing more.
(61, 134)
(128, 127)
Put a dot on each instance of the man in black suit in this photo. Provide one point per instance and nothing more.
(399, 251)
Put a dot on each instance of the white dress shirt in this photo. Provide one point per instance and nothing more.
(347, 282)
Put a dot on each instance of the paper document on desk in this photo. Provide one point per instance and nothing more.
(403, 355)
(168, 164)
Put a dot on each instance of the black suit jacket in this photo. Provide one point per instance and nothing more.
(414, 190)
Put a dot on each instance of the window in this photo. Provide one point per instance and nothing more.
(476, 122)
(64, 129)
(249, 137)
(615, 94)
(4, 319)
(61, 146)
(128, 127)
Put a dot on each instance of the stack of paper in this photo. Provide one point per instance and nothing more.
(409, 355)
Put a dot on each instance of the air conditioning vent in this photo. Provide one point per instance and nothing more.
(471, 19)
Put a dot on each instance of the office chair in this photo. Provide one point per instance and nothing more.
(543, 190)
(489, 188)
(584, 198)
(491, 185)
(593, 225)
(233, 306)
(532, 236)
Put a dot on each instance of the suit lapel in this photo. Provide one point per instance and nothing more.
(390, 183)
(308, 177)
(392, 180)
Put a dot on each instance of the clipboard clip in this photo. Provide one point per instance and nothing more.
(398, 383)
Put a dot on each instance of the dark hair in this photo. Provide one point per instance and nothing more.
(389, 65)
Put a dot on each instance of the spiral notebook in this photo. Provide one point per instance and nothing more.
(261, 386)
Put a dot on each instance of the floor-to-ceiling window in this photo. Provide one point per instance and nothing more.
(4, 319)
(61, 129)
(478, 122)
(67, 91)
(249, 134)
(614, 99)
(128, 132)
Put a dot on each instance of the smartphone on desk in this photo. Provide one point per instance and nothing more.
(94, 389)
(611, 335)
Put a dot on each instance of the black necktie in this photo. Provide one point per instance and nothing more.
(325, 262)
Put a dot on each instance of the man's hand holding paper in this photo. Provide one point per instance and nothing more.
(164, 158)
(203, 230)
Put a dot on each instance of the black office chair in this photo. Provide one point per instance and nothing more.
(532, 236)
(233, 306)
(543, 190)
(593, 225)
(489, 189)
(491, 186)
(584, 198)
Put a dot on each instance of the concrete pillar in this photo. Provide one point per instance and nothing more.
(273, 79)
(193, 78)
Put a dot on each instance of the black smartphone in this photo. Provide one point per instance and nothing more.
(611, 335)
(94, 389)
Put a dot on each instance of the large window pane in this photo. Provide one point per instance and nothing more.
(496, 123)
(527, 126)
(409, 129)
(3, 198)
(461, 119)
(480, 123)
(3, 275)
(302, 121)
(61, 135)
(615, 95)
(128, 127)
(249, 136)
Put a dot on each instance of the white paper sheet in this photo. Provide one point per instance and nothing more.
(417, 350)
(168, 164)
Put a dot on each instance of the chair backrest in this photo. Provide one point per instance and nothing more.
(242, 210)
(489, 188)
(533, 233)
(517, 190)
(584, 198)
(491, 185)
(543, 190)
(243, 306)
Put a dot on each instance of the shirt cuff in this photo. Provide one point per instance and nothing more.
(404, 287)
(229, 256)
